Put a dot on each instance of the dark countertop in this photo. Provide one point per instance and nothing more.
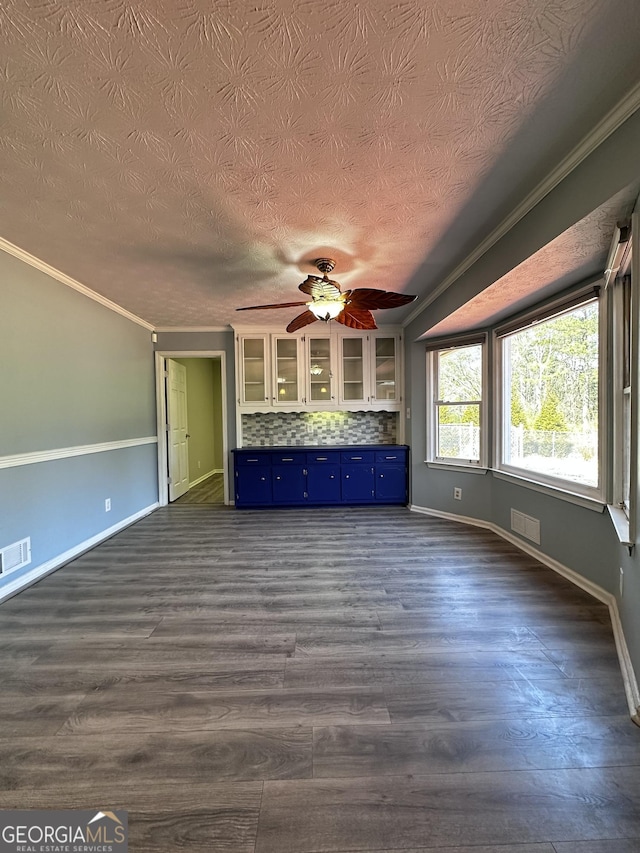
(287, 448)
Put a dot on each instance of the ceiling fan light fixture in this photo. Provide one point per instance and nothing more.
(325, 309)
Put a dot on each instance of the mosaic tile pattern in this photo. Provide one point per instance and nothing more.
(275, 429)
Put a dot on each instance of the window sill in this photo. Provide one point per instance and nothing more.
(621, 525)
(457, 466)
(553, 491)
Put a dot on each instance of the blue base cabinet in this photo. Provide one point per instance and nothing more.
(320, 476)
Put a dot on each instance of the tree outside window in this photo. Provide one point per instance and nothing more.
(551, 389)
(458, 401)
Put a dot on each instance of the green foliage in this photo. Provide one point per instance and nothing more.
(518, 414)
(557, 358)
(471, 415)
(550, 417)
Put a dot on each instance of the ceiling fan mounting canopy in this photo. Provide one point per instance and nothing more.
(351, 308)
(325, 265)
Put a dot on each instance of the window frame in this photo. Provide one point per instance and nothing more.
(434, 348)
(590, 495)
(623, 276)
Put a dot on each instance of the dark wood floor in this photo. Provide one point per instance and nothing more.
(291, 681)
(209, 491)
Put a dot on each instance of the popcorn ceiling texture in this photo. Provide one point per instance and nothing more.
(285, 429)
(187, 157)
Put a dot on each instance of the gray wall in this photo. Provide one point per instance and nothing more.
(73, 373)
(579, 538)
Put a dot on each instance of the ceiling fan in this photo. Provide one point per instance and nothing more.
(352, 308)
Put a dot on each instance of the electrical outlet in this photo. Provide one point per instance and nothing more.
(457, 494)
(621, 581)
(107, 505)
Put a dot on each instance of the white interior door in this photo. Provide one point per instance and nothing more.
(177, 432)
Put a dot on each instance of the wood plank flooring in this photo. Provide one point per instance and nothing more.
(319, 681)
(209, 491)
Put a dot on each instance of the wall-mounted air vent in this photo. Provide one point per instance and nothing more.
(15, 556)
(525, 525)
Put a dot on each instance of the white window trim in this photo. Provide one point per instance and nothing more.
(432, 460)
(592, 496)
(618, 395)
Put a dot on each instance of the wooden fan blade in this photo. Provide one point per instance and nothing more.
(309, 283)
(318, 288)
(370, 298)
(356, 318)
(301, 320)
(278, 305)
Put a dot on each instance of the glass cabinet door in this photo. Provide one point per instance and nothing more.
(385, 369)
(286, 387)
(319, 368)
(254, 377)
(353, 389)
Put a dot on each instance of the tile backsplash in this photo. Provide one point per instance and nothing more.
(281, 429)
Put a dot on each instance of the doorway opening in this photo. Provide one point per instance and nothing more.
(192, 428)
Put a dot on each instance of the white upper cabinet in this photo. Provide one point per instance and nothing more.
(286, 388)
(353, 385)
(252, 366)
(320, 367)
(385, 386)
(337, 370)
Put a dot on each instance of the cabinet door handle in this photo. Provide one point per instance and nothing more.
(277, 478)
(357, 458)
(263, 479)
(321, 458)
(287, 458)
(390, 457)
(251, 460)
(346, 476)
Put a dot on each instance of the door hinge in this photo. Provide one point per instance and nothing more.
(169, 481)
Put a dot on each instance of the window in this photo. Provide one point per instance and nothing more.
(456, 380)
(618, 272)
(622, 386)
(550, 398)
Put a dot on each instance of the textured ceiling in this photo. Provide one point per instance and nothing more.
(581, 251)
(187, 157)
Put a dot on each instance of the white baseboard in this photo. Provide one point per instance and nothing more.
(10, 588)
(205, 477)
(626, 666)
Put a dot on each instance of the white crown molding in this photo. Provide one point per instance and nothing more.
(632, 691)
(623, 110)
(63, 278)
(9, 589)
(37, 456)
(193, 329)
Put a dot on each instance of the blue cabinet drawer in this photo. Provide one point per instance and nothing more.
(253, 458)
(317, 476)
(357, 456)
(329, 457)
(288, 458)
(398, 456)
